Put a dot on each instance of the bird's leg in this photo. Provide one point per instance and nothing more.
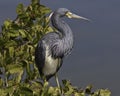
(58, 84)
(57, 81)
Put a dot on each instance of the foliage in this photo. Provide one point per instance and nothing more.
(18, 74)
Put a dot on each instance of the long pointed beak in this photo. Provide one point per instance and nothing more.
(79, 17)
(71, 15)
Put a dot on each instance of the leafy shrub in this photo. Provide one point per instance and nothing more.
(18, 73)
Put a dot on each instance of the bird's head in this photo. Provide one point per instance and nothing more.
(65, 12)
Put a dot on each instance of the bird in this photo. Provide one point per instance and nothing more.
(54, 46)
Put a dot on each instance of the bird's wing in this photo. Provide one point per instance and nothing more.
(53, 40)
(40, 51)
(40, 55)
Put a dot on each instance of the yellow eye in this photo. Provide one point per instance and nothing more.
(69, 14)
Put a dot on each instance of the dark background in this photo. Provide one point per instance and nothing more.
(96, 55)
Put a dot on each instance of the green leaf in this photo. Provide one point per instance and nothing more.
(1, 82)
(20, 9)
(10, 44)
(7, 24)
(36, 87)
(26, 91)
(44, 9)
(12, 33)
(105, 92)
(22, 33)
(14, 68)
(88, 89)
(7, 91)
(11, 51)
(35, 1)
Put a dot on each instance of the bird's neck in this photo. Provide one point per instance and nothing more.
(65, 34)
(62, 27)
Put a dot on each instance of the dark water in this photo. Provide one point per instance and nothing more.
(96, 55)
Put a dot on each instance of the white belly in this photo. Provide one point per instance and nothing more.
(51, 64)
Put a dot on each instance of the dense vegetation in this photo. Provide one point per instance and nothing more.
(18, 73)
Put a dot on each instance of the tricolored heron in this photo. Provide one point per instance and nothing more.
(54, 46)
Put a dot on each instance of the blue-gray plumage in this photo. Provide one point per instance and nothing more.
(54, 46)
